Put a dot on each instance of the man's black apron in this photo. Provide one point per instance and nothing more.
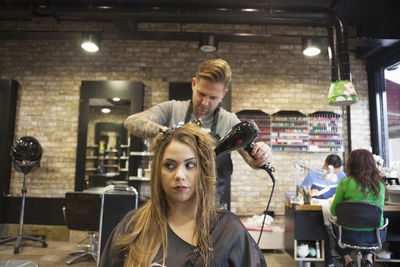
(223, 162)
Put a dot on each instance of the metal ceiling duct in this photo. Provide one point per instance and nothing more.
(179, 12)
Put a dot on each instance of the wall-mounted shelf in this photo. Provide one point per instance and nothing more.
(140, 153)
(141, 179)
(263, 121)
(289, 130)
(325, 132)
(107, 162)
(111, 158)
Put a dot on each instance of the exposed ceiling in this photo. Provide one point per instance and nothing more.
(377, 22)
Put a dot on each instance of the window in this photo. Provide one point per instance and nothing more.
(392, 82)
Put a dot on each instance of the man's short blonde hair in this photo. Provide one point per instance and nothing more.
(216, 71)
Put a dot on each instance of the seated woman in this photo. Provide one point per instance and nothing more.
(363, 184)
(180, 224)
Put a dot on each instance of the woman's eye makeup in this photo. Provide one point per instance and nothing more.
(191, 165)
(169, 165)
(172, 165)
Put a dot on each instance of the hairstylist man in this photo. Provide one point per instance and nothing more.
(209, 87)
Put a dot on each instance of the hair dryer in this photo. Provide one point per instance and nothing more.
(241, 135)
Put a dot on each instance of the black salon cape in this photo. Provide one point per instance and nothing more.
(232, 244)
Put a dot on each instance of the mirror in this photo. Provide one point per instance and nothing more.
(107, 150)
(103, 144)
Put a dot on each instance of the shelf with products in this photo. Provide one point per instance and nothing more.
(124, 156)
(140, 166)
(325, 130)
(139, 178)
(309, 250)
(263, 121)
(140, 153)
(106, 161)
(91, 159)
(294, 131)
(110, 165)
(107, 157)
(111, 151)
(289, 131)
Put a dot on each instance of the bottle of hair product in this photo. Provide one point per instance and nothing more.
(317, 249)
(140, 171)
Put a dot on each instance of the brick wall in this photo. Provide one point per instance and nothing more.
(272, 76)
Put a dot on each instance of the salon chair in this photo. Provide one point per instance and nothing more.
(357, 214)
(116, 202)
(82, 212)
(97, 181)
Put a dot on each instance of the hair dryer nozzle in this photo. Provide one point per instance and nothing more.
(239, 136)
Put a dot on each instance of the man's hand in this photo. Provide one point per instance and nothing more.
(314, 192)
(262, 154)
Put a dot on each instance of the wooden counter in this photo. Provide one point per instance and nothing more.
(386, 207)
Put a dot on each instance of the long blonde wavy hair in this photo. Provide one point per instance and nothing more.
(146, 230)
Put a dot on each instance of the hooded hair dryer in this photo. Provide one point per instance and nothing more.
(241, 135)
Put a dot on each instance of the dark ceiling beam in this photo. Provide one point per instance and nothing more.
(370, 42)
(156, 36)
(190, 36)
(334, 3)
(377, 52)
(197, 14)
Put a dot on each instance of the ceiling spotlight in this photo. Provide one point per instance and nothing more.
(104, 7)
(90, 42)
(208, 43)
(249, 9)
(116, 99)
(105, 110)
(311, 47)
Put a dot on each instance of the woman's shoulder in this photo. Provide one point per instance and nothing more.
(347, 180)
(229, 219)
(121, 226)
(222, 213)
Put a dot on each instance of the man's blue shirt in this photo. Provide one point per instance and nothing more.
(315, 180)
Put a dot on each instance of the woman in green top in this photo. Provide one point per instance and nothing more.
(364, 183)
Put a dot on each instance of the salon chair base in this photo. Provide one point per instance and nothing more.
(19, 238)
(84, 254)
(91, 252)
